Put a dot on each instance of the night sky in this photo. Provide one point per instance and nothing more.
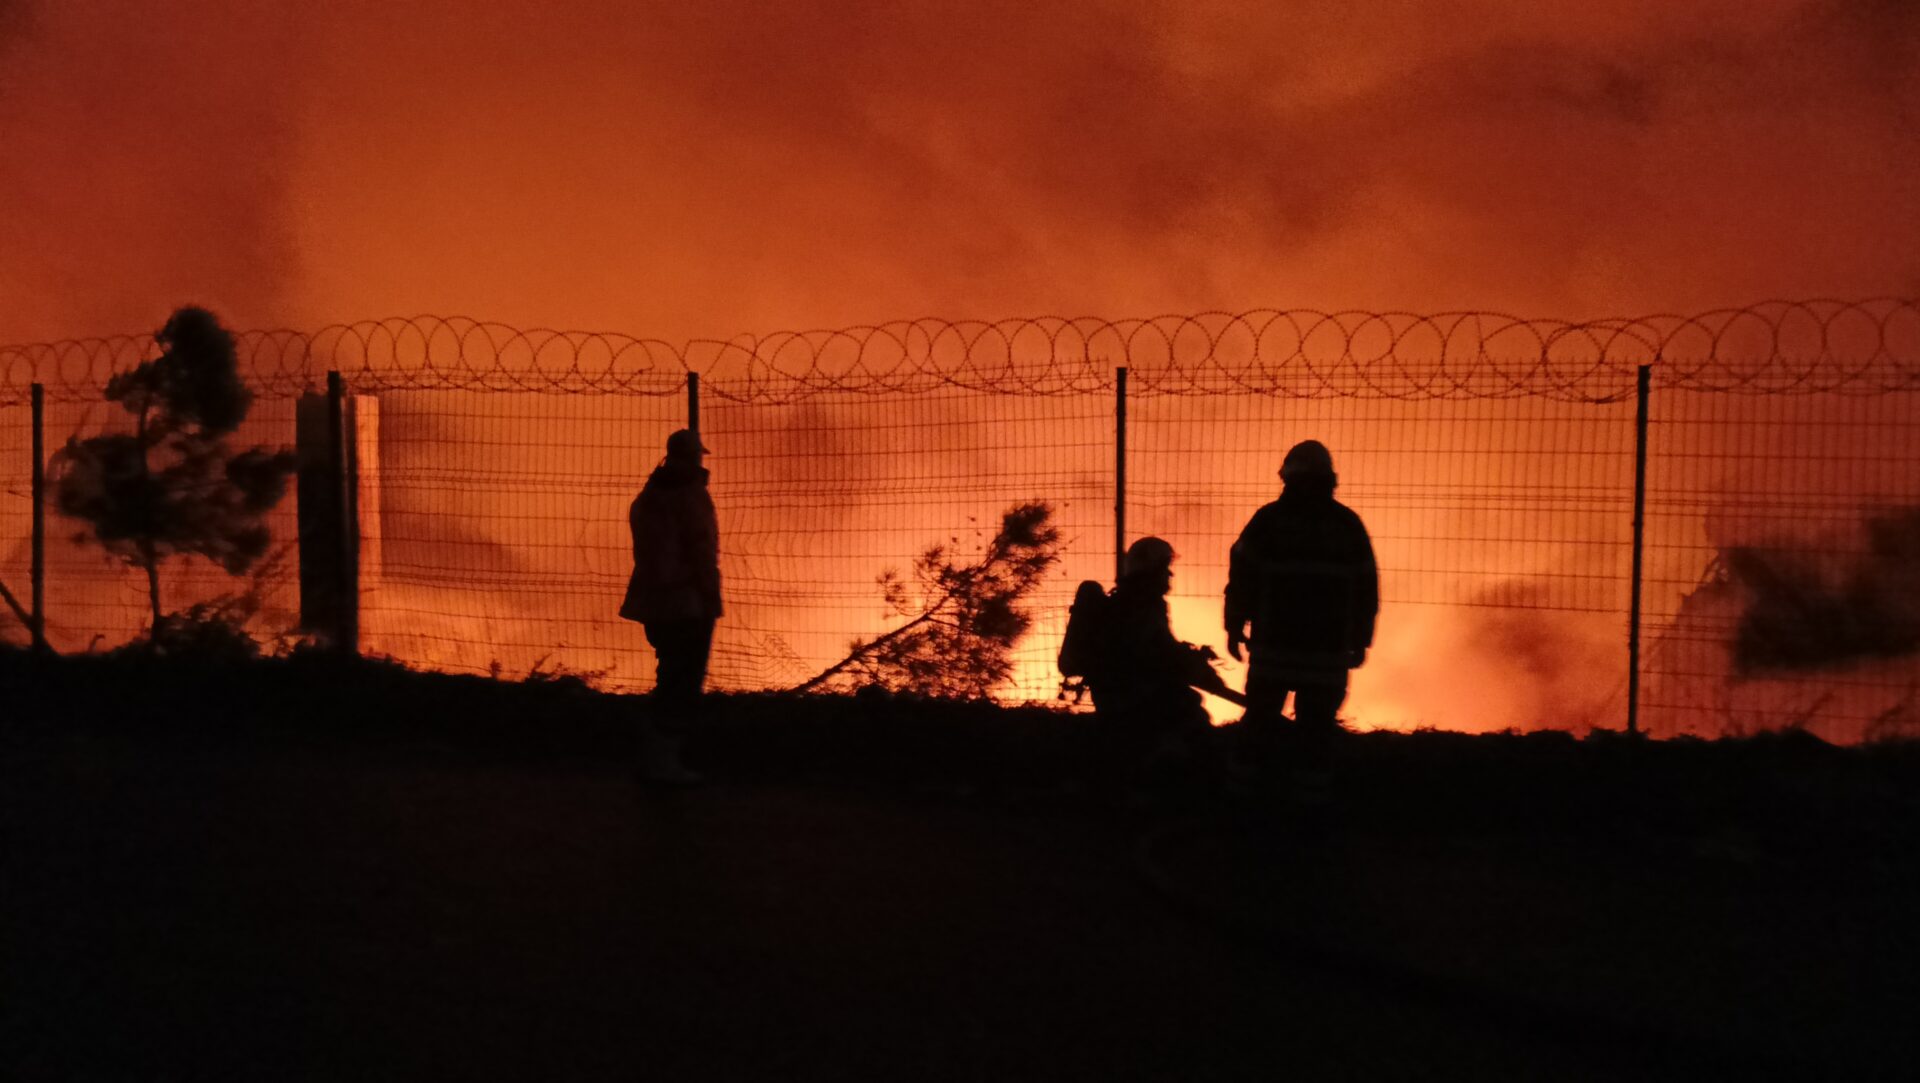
(705, 170)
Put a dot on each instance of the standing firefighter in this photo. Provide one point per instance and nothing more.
(675, 594)
(1303, 576)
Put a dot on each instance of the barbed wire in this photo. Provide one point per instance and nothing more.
(1775, 347)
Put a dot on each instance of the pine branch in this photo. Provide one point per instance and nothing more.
(860, 655)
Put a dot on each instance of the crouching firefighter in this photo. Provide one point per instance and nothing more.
(1303, 592)
(1142, 679)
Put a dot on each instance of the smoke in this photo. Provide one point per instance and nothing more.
(1810, 610)
(707, 170)
(740, 166)
(13, 24)
(1810, 620)
(1506, 659)
(144, 164)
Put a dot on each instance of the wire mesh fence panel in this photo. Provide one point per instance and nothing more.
(93, 599)
(1491, 456)
(502, 529)
(269, 590)
(16, 520)
(1783, 563)
(1502, 528)
(818, 497)
(97, 601)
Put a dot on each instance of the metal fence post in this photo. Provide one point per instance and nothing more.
(340, 469)
(693, 401)
(1119, 472)
(38, 570)
(1642, 387)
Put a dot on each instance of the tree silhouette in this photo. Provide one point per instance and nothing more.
(171, 486)
(964, 618)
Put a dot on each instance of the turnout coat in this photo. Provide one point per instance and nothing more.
(676, 549)
(1303, 573)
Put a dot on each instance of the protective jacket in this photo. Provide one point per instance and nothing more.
(1303, 573)
(1144, 668)
(676, 548)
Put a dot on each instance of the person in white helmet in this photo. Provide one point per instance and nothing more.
(1303, 592)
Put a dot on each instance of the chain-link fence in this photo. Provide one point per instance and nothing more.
(1493, 459)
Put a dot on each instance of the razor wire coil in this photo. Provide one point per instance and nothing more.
(1774, 347)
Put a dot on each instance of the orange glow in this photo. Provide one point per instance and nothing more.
(739, 166)
(683, 171)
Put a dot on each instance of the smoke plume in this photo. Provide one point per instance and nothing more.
(145, 164)
(743, 166)
(1821, 609)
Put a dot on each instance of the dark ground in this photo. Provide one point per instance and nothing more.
(298, 870)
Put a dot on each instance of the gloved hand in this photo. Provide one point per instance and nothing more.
(1236, 641)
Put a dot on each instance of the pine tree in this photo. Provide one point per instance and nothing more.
(171, 486)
